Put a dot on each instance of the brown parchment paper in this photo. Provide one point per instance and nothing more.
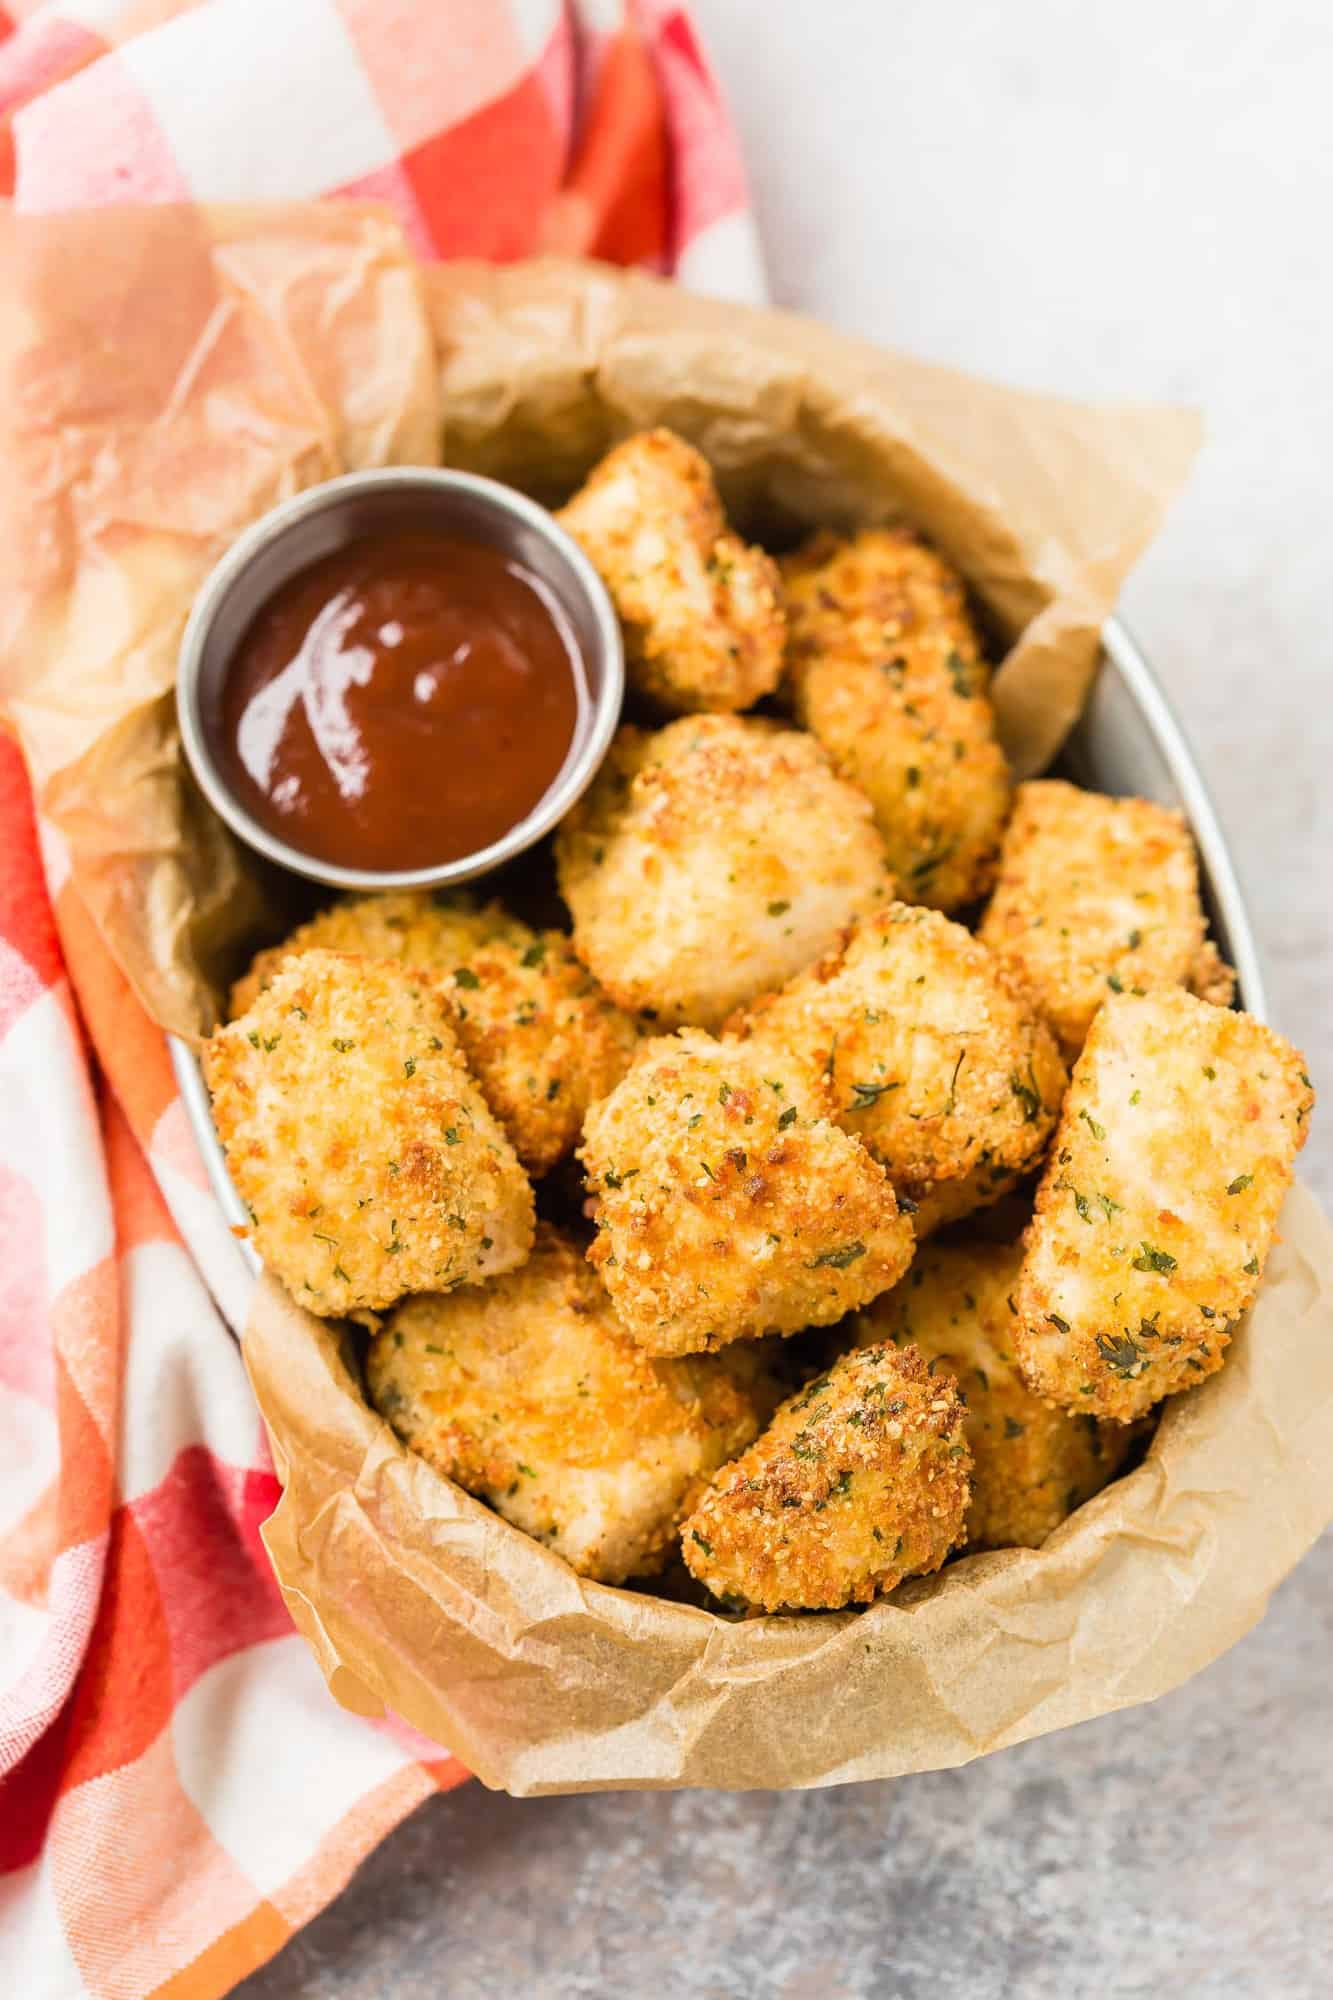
(414, 1595)
(166, 375)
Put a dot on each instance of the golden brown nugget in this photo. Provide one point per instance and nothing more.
(529, 1393)
(1031, 1465)
(700, 609)
(859, 1481)
(1098, 896)
(727, 1206)
(411, 926)
(540, 1036)
(884, 665)
(936, 1058)
(357, 1139)
(711, 860)
(1159, 1202)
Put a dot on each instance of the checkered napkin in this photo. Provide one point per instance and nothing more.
(178, 1793)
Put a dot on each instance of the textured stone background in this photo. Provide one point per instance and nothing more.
(1127, 200)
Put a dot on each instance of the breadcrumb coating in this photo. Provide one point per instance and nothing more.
(1031, 1465)
(935, 1056)
(727, 1206)
(530, 1394)
(1098, 896)
(541, 1038)
(701, 610)
(859, 1481)
(1159, 1202)
(884, 665)
(358, 1141)
(710, 861)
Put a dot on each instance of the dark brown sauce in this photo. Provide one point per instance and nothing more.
(402, 702)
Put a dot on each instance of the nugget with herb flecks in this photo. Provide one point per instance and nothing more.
(884, 665)
(727, 1205)
(859, 1481)
(530, 1394)
(1159, 1201)
(1098, 896)
(712, 859)
(540, 1036)
(701, 610)
(358, 1141)
(936, 1057)
(1031, 1465)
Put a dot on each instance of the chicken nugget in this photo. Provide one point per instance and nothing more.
(1098, 896)
(859, 1481)
(358, 1141)
(727, 1206)
(700, 609)
(411, 925)
(540, 1036)
(884, 665)
(530, 1394)
(936, 1057)
(710, 861)
(1159, 1201)
(1031, 1465)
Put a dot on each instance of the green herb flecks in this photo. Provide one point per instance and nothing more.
(1122, 1354)
(839, 1259)
(960, 673)
(866, 1094)
(1028, 1095)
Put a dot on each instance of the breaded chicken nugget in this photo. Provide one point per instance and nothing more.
(726, 1204)
(541, 1038)
(710, 861)
(859, 1481)
(357, 1139)
(1031, 1465)
(410, 925)
(936, 1058)
(529, 1393)
(884, 665)
(1098, 896)
(701, 610)
(1159, 1201)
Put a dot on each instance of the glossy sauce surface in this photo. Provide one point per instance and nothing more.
(402, 702)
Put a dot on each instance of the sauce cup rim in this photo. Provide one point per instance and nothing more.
(606, 675)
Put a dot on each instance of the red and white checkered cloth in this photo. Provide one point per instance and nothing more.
(178, 1792)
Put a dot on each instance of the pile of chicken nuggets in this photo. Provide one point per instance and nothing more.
(922, 1150)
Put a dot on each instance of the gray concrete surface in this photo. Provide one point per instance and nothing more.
(1133, 201)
